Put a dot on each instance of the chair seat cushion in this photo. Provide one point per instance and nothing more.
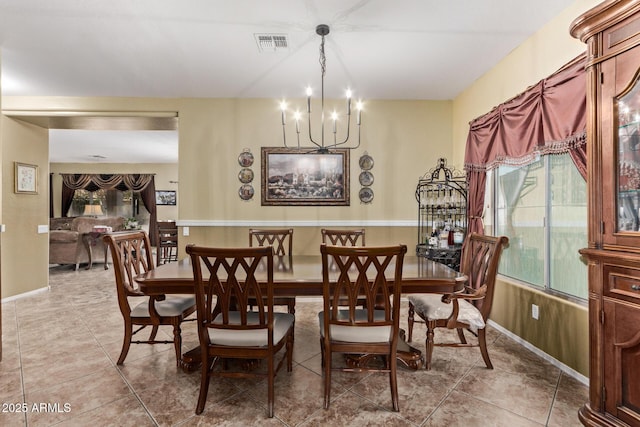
(173, 305)
(431, 307)
(252, 337)
(363, 334)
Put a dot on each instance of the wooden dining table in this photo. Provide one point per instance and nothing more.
(301, 275)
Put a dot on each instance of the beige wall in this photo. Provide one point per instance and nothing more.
(562, 330)
(1, 239)
(539, 56)
(405, 139)
(164, 174)
(25, 251)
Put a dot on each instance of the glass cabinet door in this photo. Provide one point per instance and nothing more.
(627, 112)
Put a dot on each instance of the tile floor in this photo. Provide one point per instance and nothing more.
(60, 349)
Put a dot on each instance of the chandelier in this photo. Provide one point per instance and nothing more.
(319, 145)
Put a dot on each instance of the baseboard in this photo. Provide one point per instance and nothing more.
(24, 295)
(555, 362)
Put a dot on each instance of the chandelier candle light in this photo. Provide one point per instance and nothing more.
(320, 146)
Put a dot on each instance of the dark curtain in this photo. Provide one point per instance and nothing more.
(476, 180)
(67, 199)
(548, 118)
(140, 183)
(50, 195)
(148, 196)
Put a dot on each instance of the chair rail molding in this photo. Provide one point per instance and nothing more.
(299, 223)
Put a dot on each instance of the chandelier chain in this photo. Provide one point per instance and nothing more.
(323, 58)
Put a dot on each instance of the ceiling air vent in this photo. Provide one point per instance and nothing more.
(272, 42)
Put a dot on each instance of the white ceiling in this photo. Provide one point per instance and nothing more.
(381, 49)
(112, 146)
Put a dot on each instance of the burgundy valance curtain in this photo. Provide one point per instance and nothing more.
(141, 183)
(93, 182)
(548, 118)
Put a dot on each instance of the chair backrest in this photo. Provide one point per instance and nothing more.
(281, 240)
(169, 228)
(343, 237)
(480, 259)
(167, 237)
(227, 287)
(131, 256)
(372, 274)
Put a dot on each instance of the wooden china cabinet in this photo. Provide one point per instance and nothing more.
(611, 31)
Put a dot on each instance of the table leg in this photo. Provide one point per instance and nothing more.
(87, 245)
(191, 360)
(408, 356)
(106, 260)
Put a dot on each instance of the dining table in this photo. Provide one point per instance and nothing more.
(301, 276)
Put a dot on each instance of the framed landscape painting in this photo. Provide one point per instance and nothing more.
(295, 177)
(164, 197)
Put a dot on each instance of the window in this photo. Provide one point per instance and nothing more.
(542, 208)
(127, 204)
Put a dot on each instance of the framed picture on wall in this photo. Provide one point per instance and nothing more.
(26, 178)
(294, 177)
(166, 197)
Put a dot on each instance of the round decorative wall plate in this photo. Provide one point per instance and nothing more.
(366, 162)
(366, 178)
(245, 176)
(246, 158)
(246, 192)
(366, 195)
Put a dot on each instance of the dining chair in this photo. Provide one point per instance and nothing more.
(343, 237)
(465, 310)
(131, 255)
(373, 273)
(282, 242)
(167, 237)
(226, 326)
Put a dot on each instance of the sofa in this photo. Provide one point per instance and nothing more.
(66, 235)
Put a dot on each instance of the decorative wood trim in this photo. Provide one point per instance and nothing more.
(601, 17)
